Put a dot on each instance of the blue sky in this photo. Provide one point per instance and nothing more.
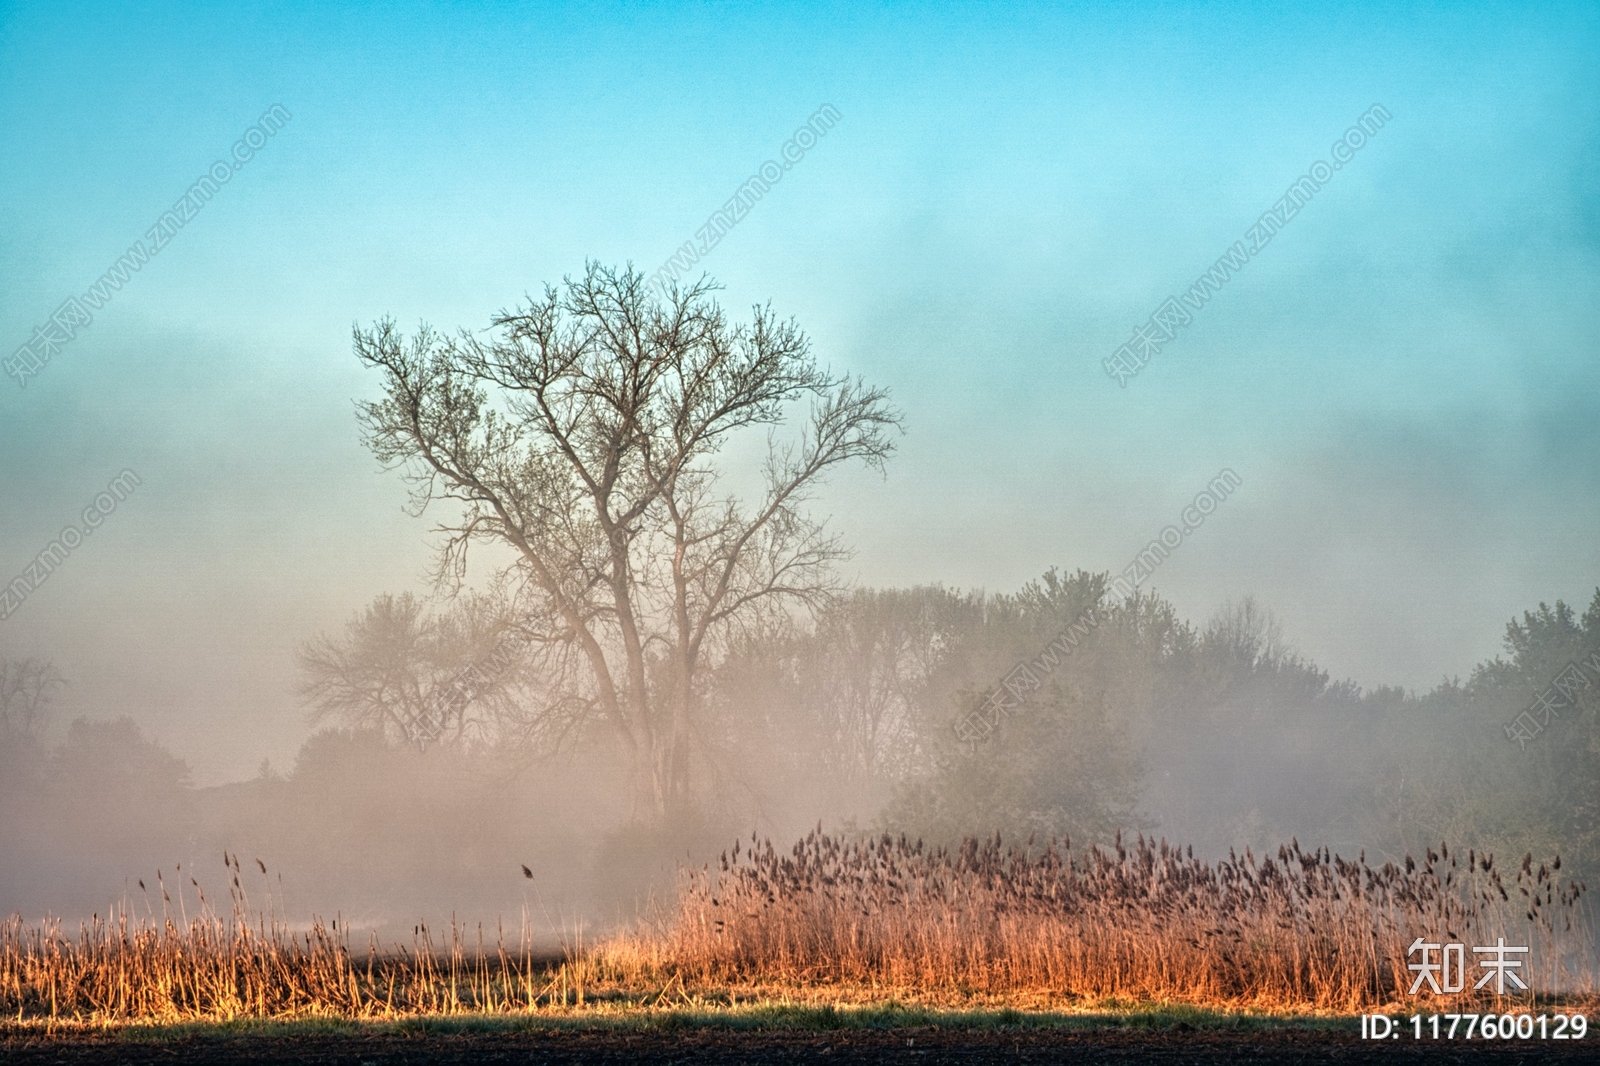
(1404, 378)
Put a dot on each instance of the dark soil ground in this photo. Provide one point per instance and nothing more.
(716, 1046)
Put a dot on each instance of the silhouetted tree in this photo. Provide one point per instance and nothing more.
(583, 434)
(26, 688)
(424, 677)
(1063, 762)
(1450, 769)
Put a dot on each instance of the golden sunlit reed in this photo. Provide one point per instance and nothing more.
(838, 917)
(1306, 930)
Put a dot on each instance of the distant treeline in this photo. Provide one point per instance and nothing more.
(1214, 734)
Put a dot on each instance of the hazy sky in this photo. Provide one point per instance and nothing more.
(1404, 378)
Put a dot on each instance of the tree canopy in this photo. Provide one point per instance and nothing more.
(582, 432)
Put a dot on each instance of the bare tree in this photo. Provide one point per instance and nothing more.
(582, 433)
(26, 687)
(867, 667)
(425, 677)
(1247, 633)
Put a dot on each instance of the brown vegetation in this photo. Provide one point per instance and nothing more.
(1304, 930)
(218, 969)
(837, 917)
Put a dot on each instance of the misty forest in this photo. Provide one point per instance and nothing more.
(635, 652)
(665, 532)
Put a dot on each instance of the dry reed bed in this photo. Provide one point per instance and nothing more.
(842, 919)
(223, 969)
(1303, 930)
(215, 968)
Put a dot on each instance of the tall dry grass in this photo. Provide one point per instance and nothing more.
(249, 965)
(1302, 930)
(220, 970)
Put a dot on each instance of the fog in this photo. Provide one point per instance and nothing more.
(1400, 379)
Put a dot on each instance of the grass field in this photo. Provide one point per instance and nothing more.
(746, 1034)
(746, 1016)
(847, 932)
